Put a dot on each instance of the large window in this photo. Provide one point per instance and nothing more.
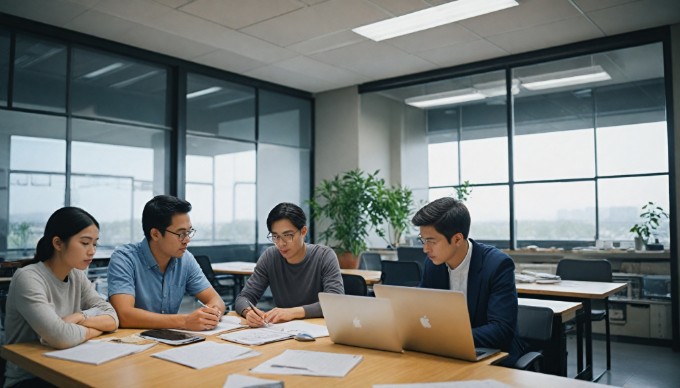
(585, 150)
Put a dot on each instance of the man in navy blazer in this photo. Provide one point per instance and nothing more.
(482, 272)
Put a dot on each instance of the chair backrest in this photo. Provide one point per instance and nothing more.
(534, 323)
(370, 261)
(206, 267)
(411, 254)
(586, 270)
(354, 285)
(400, 273)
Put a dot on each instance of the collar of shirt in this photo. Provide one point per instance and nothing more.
(149, 261)
(458, 276)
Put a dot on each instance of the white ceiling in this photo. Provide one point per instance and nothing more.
(309, 45)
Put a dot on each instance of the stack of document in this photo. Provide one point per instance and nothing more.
(206, 354)
(97, 352)
(536, 277)
(275, 332)
(304, 362)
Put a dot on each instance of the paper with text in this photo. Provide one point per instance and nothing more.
(309, 363)
(449, 384)
(259, 336)
(206, 354)
(294, 327)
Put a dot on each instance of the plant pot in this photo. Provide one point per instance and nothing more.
(639, 244)
(348, 260)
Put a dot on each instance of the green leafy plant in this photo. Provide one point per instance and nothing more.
(396, 206)
(651, 217)
(463, 191)
(20, 233)
(349, 206)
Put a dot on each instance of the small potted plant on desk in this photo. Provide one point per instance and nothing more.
(650, 219)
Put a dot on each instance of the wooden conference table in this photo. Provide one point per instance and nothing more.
(575, 291)
(377, 367)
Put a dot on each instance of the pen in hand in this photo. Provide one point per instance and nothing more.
(212, 308)
(252, 306)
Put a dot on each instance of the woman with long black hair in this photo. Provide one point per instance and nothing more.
(51, 299)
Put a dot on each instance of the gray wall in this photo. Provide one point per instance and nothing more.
(675, 39)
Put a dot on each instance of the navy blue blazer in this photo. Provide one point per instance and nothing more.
(491, 298)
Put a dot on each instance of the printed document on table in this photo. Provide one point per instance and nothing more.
(227, 323)
(294, 327)
(449, 384)
(243, 381)
(309, 363)
(259, 336)
(206, 354)
(97, 352)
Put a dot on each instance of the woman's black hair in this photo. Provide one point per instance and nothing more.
(288, 211)
(63, 223)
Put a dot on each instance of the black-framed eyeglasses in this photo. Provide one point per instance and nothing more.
(183, 236)
(427, 241)
(286, 237)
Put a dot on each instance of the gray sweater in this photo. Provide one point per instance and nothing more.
(37, 301)
(294, 285)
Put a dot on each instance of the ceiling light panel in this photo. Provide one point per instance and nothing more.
(431, 17)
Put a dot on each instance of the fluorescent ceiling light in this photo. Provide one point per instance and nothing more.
(565, 78)
(203, 92)
(445, 98)
(134, 80)
(104, 70)
(496, 88)
(431, 17)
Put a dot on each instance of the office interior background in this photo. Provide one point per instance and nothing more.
(237, 106)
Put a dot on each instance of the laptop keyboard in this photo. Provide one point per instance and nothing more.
(478, 353)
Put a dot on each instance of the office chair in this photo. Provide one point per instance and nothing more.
(400, 273)
(414, 254)
(535, 329)
(370, 261)
(591, 271)
(354, 285)
(224, 284)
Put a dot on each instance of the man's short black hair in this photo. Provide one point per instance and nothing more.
(447, 215)
(288, 211)
(158, 213)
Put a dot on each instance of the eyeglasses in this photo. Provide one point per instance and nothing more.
(286, 237)
(427, 241)
(183, 236)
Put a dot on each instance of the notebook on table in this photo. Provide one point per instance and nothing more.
(360, 321)
(433, 321)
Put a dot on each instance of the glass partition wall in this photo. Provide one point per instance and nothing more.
(106, 128)
(558, 153)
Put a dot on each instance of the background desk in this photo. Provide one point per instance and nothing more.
(579, 291)
(556, 354)
(377, 367)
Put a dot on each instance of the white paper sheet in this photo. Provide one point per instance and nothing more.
(305, 362)
(294, 327)
(258, 336)
(206, 354)
(243, 381)
(97, 352)
(449, 384)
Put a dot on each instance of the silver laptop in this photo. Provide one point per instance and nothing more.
(360, 321)
(433, 321)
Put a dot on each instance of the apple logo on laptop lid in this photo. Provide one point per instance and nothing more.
(357, 323)
(425, 321)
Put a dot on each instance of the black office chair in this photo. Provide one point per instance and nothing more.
(414, 254)
(354, 285)
(224, 284)
(370, 261)
(591, 271)
(535, 329)
(400, 273)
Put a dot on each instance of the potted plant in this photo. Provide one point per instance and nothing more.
(463, 191)
(651, 217)
(396, 205)
(347, 207)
